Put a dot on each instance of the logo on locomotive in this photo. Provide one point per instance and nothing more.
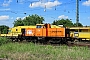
(29, 32)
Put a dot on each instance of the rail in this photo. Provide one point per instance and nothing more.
(11, 34)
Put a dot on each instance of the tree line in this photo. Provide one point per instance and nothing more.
(66, 23)
(29, 20)
(4, 29)
(36, 19)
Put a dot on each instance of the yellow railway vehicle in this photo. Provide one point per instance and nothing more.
(18, 29)
(80, 33)
(15, 31)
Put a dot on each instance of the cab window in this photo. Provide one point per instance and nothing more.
(16, 29)
(38, 26)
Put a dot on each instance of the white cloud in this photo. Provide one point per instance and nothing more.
(5, 9)
(86, 3)
(6, 3)
(43, 4)
(9, 1)
(18, 18)
(63, 17)
(21, 17)
(4, 17)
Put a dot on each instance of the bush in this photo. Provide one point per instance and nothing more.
(3, 40)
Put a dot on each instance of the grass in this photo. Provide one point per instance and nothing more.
(30, 51)
(3, 40)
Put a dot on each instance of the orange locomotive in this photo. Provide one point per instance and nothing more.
(44, 33)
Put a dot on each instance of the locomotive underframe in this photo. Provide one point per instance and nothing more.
(41, 39)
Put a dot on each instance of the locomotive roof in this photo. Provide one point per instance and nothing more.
(40, 24)
(25, 27)
(79, 27)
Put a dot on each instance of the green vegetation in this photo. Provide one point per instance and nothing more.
(66, 22)
(4, 29)
(30, 51)
(3, 40)
(36, 19)
(29, 20)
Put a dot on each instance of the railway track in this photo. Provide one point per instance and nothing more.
(68, 44)
(79, 44)
(83, 44)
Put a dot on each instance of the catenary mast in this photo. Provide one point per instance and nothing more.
(77, 12)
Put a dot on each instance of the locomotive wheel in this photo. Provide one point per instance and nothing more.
(14, 40)
(53, 41)
(76, 41)
(34, 40)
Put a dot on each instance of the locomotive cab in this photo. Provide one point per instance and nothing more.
(43, 26)
(40, 26)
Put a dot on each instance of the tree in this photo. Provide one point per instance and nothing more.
(65, 22)
(4, 29)
(54, 22)
(79, 25)
(18, 22)
(29, 20)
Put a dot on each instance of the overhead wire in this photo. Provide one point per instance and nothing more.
(64, 4)
(39, 9)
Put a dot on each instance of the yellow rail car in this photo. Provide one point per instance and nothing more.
(15, 31)
(81, 33)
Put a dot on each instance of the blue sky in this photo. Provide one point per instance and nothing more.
(10, 10)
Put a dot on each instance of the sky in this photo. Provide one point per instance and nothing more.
(51, 10)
